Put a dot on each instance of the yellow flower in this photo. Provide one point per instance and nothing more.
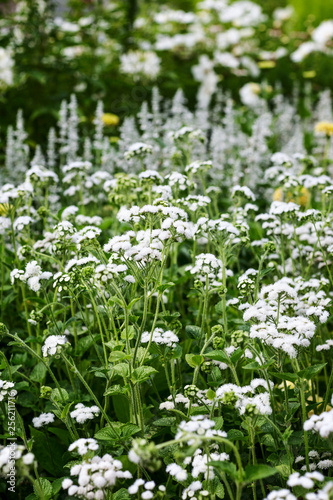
(5, 209)
(278, 195)
(110, 119)
(324, 128)
(309, 74)
(113, 139)
(303, 197)
(266, 64)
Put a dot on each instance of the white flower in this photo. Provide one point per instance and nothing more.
(43, 419)
(323, 33)
(82, 446)
(137, 63)
(6, 68)
(160, 337)
(5, 385)
(83, 413)
(53, 345)
(21, 222)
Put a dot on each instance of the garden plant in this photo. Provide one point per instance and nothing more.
(166, 271)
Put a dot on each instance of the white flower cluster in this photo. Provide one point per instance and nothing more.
(210, 268)
(136, 63)
(243, 192)
(110, 271)
(306, 481)
(160, 337)
(281, 315)
(198, 427)
(147, 492)
(95, 477)
(219, 229)
(138, 149)
(246, 396)
(5, 386)
(199, 462)
(32, 275)
(323, 423)
(82, 446)
(194, 491)
(176, 471)
(83, 413)
(179, 181)
(6, 68)
(43, 419)
(7, 454)
(53, 345)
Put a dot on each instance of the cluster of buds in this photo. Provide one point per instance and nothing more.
(238, 337)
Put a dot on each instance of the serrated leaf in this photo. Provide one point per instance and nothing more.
(121, 494)
(116, 389)
(165, 422)
(235, 435)
(58, 396)
(43, 488)
(39, 372)
(193, 331)
(142, 373)
(121, 369)
(107, 434)
(129, 430)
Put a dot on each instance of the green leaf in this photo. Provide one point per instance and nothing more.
(121, 408)
(122, 370)
(117, 356)
(236, 355)
(260, 471)
(219, 492)
(217, 356)
(193, 331)
(107, 434)
(65, 411)
(59, 397)
(227, 467)
(48, 452)
(116, 300)
(129, 430)
(38, 373)
(211, 394)
(311, 371)
(142, 373)
(194, 360)
(116, 389)
(43, 488)
(252, 366)
(56, 485)
(291, 377)
(165, 286)
(121, 494)
(165, 422)
(235, 435)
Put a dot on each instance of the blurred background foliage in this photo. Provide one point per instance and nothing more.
(43, 77)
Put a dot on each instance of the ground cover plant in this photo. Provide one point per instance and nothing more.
(165, 304)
